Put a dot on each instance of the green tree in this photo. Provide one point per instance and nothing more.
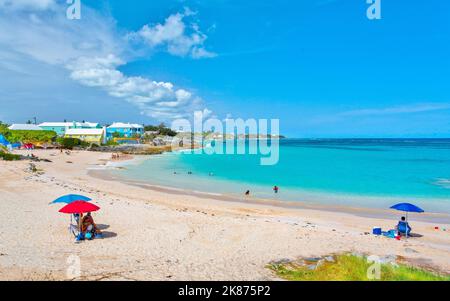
(24, 136)
(3, 128)
(151, 128)
(161, 129)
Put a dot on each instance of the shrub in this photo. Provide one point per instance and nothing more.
(3, 128)
(111, 143)
(68, 143)
(9, 157)
(23, 136)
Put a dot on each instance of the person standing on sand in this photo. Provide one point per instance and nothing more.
(247, 193)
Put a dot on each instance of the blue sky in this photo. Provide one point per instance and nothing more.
(320, 66)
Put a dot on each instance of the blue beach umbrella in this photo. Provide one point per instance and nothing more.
(70, 198)
(407, 207)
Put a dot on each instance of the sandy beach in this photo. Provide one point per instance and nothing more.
(152, 234)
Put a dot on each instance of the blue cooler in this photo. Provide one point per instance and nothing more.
(376, 231)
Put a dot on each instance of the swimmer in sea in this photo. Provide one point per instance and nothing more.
(275, 189)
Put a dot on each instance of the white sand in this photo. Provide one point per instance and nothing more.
(154, 235)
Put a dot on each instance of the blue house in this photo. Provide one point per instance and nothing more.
(124, 130)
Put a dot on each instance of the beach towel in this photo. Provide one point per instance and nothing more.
(391, 233)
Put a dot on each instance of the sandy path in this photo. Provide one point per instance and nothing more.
(152, 235)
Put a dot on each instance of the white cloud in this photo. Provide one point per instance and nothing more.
(155, 99)
(174, 36)
(91, 50)
(27, 4)
(48, 36)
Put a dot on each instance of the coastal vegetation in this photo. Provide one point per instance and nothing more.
(111, 143)
(8, 157)
(347, 267)
(70, 143)
(161, 129)
(25, 136)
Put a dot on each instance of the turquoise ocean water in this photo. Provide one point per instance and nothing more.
(355, 172)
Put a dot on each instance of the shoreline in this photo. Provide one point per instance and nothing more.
(156, 235)
(367, 212)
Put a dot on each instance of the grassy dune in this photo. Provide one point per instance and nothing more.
(350, 268)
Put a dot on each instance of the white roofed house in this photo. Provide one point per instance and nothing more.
(90, 135)
(124, 130)
(61, 127)
(24, 127)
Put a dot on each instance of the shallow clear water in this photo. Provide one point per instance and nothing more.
(363, 172)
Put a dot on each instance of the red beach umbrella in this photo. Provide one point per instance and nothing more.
(79, 207)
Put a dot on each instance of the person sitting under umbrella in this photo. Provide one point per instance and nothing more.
(88, 226)
(403, 227)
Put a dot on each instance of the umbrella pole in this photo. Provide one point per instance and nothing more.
(79, 222)
(406, 230)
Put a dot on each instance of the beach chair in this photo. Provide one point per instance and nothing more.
(74, 230)
(404, 228)
(73, 227)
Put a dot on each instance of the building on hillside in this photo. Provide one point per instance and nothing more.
(89, 135)
(124, 130)
(24, 127)
(61, 127)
